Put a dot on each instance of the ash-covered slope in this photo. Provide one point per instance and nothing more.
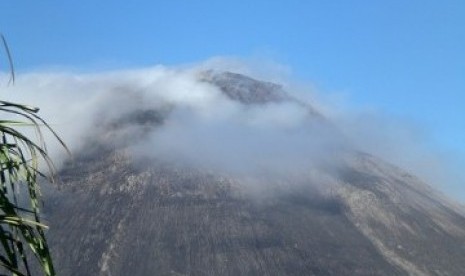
(118, 214)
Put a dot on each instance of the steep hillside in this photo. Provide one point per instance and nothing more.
(119, 214)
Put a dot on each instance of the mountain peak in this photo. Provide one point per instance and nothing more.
(245, 89)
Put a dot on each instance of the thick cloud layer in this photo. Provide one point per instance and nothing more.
(174, 115)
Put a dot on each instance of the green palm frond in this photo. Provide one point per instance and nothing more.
(22, 235)
(20, 226)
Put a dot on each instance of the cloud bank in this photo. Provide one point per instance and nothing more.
(173, 114)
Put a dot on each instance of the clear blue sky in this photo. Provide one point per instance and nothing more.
(404, 57)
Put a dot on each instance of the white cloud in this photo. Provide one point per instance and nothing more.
(206, 128)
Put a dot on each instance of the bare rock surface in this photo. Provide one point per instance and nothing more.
(118, 216)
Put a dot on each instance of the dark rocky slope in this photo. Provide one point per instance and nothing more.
(114, 216)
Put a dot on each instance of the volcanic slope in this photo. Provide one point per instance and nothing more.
(117, 214)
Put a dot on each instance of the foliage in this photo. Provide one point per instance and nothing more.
(22, 233)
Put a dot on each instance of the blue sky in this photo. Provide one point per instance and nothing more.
(405, 58)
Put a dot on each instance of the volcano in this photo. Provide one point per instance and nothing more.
(117, 213)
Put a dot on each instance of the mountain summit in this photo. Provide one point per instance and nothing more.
(344, 212)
